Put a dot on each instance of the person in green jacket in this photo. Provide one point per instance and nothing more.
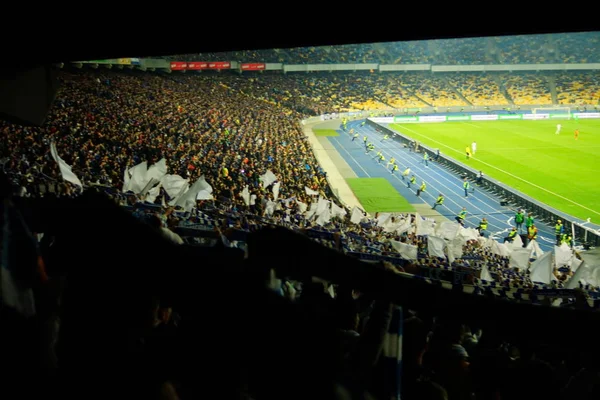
(519, 219)
(511, 235)
(529, 221)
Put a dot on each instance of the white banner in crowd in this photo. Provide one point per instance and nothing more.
(337, 211)
(200, 190)
(276, 190)
(173, 184)
(158, 170)
(562, 255)
(485, 274)
(448, 230)
(582, 273)
(356, 216)
(270, 208)
(301, 206)
(322, 205)
(246, 195)
(324, 217)
(535, 247)
(468, 233)
(541, 269)
(138, 177)
(404, 226)
(435, 246)
(153, 194)
(519, 258)
(126, 180)
(65, 169)
(268, 178)
(407, 251)
(205, 192)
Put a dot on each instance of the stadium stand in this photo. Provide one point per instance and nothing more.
(582, 88)
(270, 313)
(478, 89)
(527, 88)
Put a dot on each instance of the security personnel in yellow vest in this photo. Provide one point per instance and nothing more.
(482, 228)
(355, 136)
(365, 140)
(439, 201)
(421, 189)
(558, 230)
(381, 158)
(405, 173)
(567, 239)
(532, 233)
(466, 186)
(394, 168)
(460, 218)
(511, 235)
(426, 159)
(413, 181)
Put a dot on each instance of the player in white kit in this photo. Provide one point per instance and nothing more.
(558, 128)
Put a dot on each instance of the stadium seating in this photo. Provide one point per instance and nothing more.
(527, 89)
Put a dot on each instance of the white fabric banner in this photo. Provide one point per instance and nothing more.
(310, 192)
(173, 184)
(158, 170)
(382, 218)
(270, 208)
(246, 195)
(356, 216)
(425, 228)
(535, 247)
(407, 251)
(485, 274)
(138, 177)
(322, 205)
(582, 273)
(324, 217)
(574, 263)
(541, 269)
(447, 230)
(268, 178)
(457, 247)
(500, 249)
(252, 199)
(404, 226)
(337, 211)
(276, 190)
(205, 192)
(311, 211)
(301, 206)
(153, 194)
(468, 233)
(517, 243)
(65, 169)
(126, 180)
(519, 258)
(435, 246)
(562, 255)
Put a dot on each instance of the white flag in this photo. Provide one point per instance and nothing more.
(252, 199)
(337, 211)
(448, 230)
(158, 170)
(356, 216)
(205, 192)
(246, 195)
(519, 258)
(322, 205)
(541, 269)
(65, 169)
(126, 180)
(324, 217)
(485, 274)
(581, 273)
(138, 177)
(407, 251)
(310, 192)
(535, 247)
(153, 194)
(276, 190)
(173, 184)
(435, 246)
(562, 255)
(270, 208)
(301, 206)
(268, 178)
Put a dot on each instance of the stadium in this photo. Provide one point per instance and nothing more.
(421, 216)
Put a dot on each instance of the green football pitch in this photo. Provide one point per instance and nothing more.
(378, 195)
(557, 170)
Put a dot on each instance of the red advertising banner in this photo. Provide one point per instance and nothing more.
(194, 66)
(219, 65)
(178, 66)
(253, 67)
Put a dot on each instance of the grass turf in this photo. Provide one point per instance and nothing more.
(325, 132)
(557, 170)
(378, 195)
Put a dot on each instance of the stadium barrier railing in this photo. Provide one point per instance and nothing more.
(513, 198)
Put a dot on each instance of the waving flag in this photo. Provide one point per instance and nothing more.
(65, 169)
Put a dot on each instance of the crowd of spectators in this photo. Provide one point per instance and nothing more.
(433, 89)
(231, 129)
(581, 47)
(478, 89)
(581, 88)
(528, 89)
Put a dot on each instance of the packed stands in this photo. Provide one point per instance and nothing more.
(583, 47)
(416, 52)
(478, 89)
(468, 51)
(521, 49)
(582, 88)
(432, 89)
(265, 309)
(527, 88)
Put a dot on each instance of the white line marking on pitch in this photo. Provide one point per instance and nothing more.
(508, 173)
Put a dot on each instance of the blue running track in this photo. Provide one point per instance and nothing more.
(479, 203)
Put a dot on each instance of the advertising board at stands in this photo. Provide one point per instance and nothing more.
(252, 66)
(178, 66)
(458, 118)
(587, 115)
(404, 119)
(195, 65)
(432, 118)
(559, 116)
(199, 65)
(219, 65)
(485, 117)
(536, 116)
(510, 116)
